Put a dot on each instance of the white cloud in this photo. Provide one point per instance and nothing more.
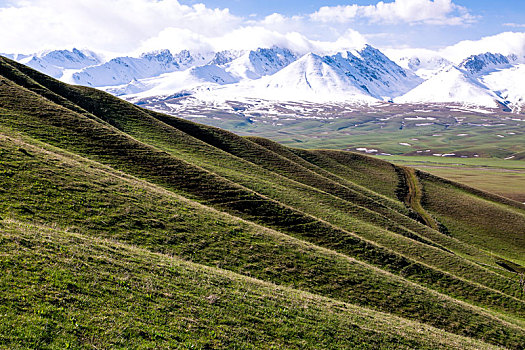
(132, 26)
(116, 25)
(505, 43)
(283, 24)
(174, 39)
(250, 38)
(253, 37)
(339, 13)
(275, 18)
(119, 27)
(351, 39)
(435, 12)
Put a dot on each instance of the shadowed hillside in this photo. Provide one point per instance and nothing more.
(123, 227)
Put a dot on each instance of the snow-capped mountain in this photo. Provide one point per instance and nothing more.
(261, 62)
(366, 74)
(195, 78)
(226, 67)
(451, 85)
(375, 73)
(483, 63)
(424, 63)
(481, 79)
(311, 78)
(123, 70)
(224, 57)
(55, 63)
(15, 56)
(428, 66)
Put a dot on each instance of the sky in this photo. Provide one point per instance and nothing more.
(134, 26)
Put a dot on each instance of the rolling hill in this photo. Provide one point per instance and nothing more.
(122, 227)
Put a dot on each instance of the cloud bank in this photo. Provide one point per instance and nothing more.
(128, 26)
(505, 43)
(116, 25)
(435, 12)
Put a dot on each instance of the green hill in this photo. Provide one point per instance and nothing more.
(122, 227)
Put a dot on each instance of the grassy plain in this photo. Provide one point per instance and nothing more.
(503, 177)
(401, 129)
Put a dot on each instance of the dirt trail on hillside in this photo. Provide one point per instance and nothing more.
(413, 193)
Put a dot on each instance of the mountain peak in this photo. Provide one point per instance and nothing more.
(451, 85)
(157, 53)
(226, 56)
(481, 63)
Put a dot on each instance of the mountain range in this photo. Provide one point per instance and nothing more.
(356, 76)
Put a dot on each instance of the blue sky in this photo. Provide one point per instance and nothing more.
(126, 26)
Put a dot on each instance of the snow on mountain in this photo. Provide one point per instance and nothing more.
(42, 66)
(54, 63)
(15, 56)
(424, 63)
(122, 70)
(213, 74)
(426, 67)
(75, 59)
(366, 75)
(224, 57)
(258, 63)
(196, 78)
(375, 73)
(277, 73)
(310, 78)
(451, 85)
(483, 63)
(133, 87)
(226, 67)
(508, 83)
(479, 79)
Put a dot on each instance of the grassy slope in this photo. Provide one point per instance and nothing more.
(248, 175)
(66, 290)
(490, 225)
(171, 163)
(87, 197)
(295, 223)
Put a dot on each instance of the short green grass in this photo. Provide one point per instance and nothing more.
(63, 290)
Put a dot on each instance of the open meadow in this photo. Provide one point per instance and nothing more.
(503, 177)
